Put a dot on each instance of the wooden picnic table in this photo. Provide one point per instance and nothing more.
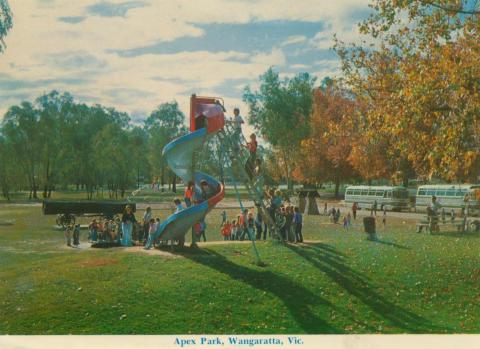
(432, 224)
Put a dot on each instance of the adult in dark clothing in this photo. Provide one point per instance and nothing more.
(259, 226)
(298, 223)
(128, 219)
(288, 223)
(354, 210)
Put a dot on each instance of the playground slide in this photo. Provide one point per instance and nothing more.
(179, 154)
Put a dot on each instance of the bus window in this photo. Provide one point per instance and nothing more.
(430, 192)
(399, 194)
(458, 192)
(389, 194)
(357, 192)
(450, 192)
(440, 193)
(380, 193)
(364, 191)
(348, 192)
(421, 192)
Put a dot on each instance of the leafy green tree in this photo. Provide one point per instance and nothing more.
(52, 107)
(113, 158)
(10, 175)
(20, 126)
(138, 142)
(280, 111)
(165, 123)
(5, 22)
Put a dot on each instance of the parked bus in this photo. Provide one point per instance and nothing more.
(456, 196)
(392, 198)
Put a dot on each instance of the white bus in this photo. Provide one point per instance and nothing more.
(449, 196)
(392, 198)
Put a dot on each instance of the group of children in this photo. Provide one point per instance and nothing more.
(72, 232)
(245, 226)
(249, 225)
(108, 230)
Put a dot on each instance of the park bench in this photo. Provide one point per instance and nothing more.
(432, 224)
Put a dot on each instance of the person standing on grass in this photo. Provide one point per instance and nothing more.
(243, 220)
(76, 235)
(118, 224)
(337, 216)
(345, 223)
(298, 223)
(349, 219)
(227, 231)
(452, 215)
(152, 228)
(259, 225)
(93, 227)
(68, 235)
(234, 230)
(128, 219)
(250, 226)
(325, 208)
(375, 205)
(224, 217)
(147, 216)
(288, 223)
(354, 210)
(203, 227)
(239, 229)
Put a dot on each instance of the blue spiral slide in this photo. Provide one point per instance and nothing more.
(206, 119)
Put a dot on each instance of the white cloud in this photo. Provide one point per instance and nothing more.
(40, 47)
(295, 39)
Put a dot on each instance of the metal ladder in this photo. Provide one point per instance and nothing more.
(236, 156)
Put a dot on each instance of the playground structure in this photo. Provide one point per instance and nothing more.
(67, 211)
(207, 120)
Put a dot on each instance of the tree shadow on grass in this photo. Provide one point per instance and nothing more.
(392, 244)
(456, 234)
(299, 300)
(326, 260)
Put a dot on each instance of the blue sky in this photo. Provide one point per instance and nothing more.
(136, 54)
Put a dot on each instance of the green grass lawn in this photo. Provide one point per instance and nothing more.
(337, 283)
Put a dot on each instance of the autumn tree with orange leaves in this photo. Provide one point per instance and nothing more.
(325, 153)
(417, 79)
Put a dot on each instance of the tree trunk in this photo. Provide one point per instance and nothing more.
(162, 177)
(138, 177)
(34, 188)
(174, 184)
(47, 179)
(337, 187)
